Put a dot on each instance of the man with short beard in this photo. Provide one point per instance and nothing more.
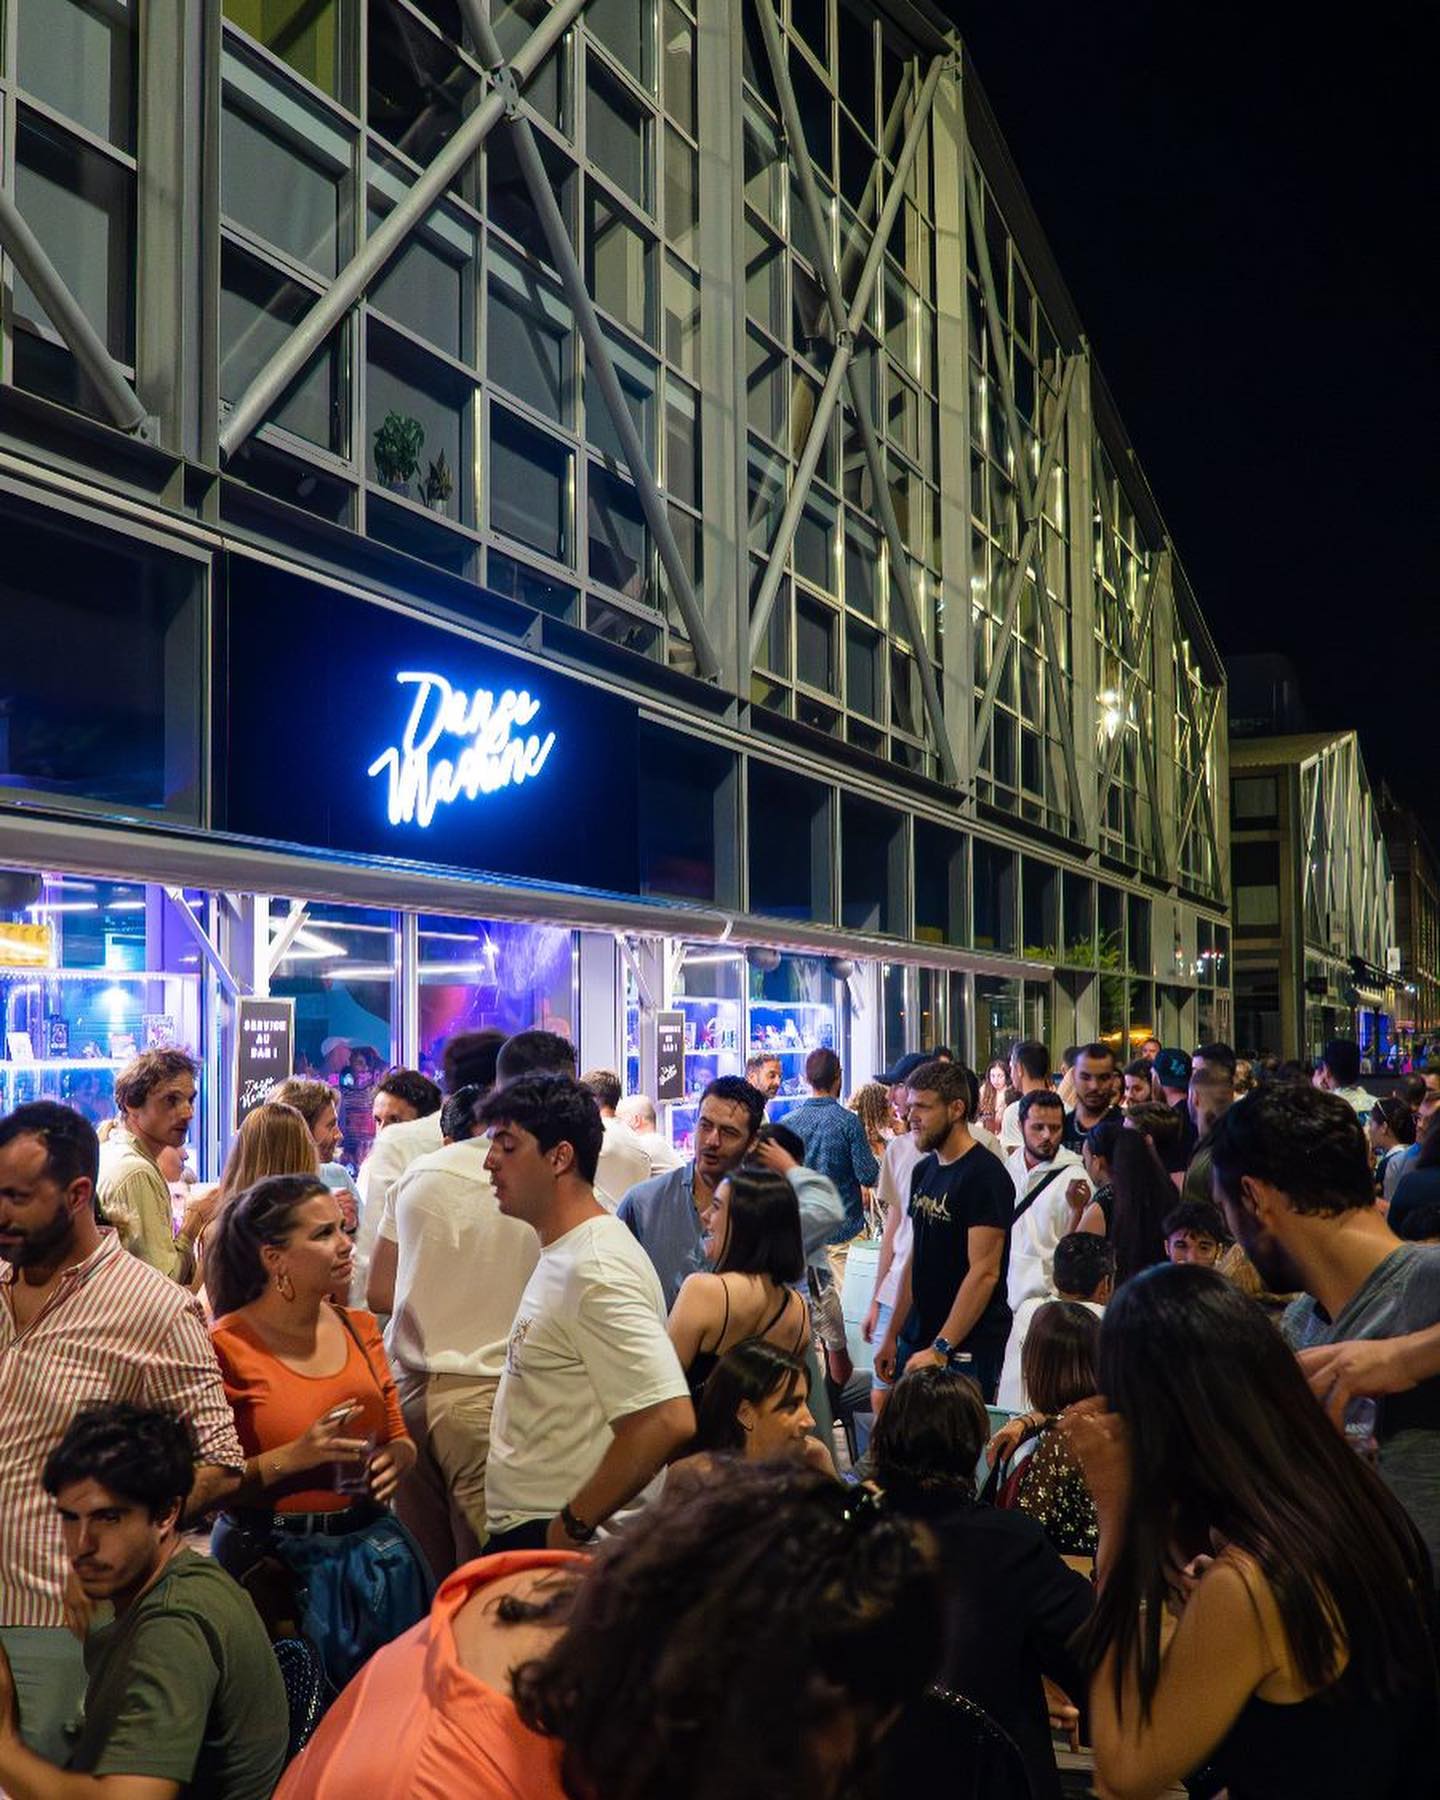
(80, 1321)
(1292, 1174)
(951, 1299)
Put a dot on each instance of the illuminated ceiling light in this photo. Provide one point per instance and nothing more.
(54, 906)
(125, 906)
(362, 972)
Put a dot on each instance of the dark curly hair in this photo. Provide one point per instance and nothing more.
(928, 1440)
(1307, 1144)
(710, 1653)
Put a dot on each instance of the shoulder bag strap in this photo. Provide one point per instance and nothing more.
(1038, 1189)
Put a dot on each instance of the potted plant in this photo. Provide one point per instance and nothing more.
(439, 484)
(397, 450)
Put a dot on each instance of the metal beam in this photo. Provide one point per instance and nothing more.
(1189, 812)
(1127, 698)
(351, 283)
(847, 333)
(1111, 557)
(63, 310)
(600, 362)
(859, 399)
(1031, 499)
(289, 931)
(1022, 562)
(227, 980)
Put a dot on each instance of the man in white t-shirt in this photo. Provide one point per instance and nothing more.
(623, 1158)
(893, 1188)
(468, 1059)
(638, 1112)
(1030, 1073)
(1083, 1271)
(593, 1402)
(457, 1269)
(1338, 1072)
(1052, 1190)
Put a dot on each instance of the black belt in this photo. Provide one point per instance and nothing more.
(307, 1524)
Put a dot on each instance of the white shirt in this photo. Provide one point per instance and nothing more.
(1043, 1223)
(1360, 1098)
(461, 1265)
(623, 1163)
(588, 1346)
(395, 1148)
(896, 1167)
(662, 1153)
(1011, 1136)
(987, 1140)
(1011, 1394)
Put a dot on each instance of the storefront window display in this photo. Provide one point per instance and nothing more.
(794, 1009)
(91, 973)
(709, 992)
(492, 974)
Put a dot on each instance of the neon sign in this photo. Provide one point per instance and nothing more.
(488, 747)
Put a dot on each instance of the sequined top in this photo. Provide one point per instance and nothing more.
(1052, 1490)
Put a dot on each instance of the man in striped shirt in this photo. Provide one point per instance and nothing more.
(81, 1321)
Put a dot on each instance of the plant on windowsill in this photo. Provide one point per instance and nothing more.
(439, 484)
(397, 450)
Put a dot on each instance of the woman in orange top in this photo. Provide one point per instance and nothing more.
(439, 1701)
(314, 1402)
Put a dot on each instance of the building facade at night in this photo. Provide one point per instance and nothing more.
(1315, 938)
(589, 515)
(1416, 875)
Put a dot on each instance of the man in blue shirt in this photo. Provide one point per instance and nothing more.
(835, 1141)
(665, 1212)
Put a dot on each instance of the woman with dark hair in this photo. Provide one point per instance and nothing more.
(1420, 1179)
(1057, 1366)
(756, 1638)
(752, 1240)
(1097, 1150)
(754, 1407)
(1390, 1131)
(1011, 1605)
(1303, 1666)
(314, 1403)
(1132, 1212)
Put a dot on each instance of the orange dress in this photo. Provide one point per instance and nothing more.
(415, 1725)
(274, 1404)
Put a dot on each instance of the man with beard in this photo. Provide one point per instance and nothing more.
(951, 1301)
(155, 1097)
(80, 1321)
(665, 1212)
(1292, 1172)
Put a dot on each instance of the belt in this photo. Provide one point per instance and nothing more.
(308, 1524)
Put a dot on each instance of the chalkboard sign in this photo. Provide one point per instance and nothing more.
(669, 1056)
(265, 1050)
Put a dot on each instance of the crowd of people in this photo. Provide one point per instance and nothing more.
(513, 1467)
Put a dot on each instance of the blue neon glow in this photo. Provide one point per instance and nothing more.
(485, 739)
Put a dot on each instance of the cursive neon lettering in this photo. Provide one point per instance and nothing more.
(486, 747)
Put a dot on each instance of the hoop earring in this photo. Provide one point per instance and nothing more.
(284, 1286)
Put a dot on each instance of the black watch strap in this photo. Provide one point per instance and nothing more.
(576, 1529)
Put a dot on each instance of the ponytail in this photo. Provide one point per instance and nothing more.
(261, 1214)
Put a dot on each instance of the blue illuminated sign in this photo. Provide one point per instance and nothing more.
(493, 751)
(348, 727)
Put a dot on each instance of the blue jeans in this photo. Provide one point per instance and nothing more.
(48, 1664)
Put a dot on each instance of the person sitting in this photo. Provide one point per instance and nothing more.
(1058, 1369)
(1303, 1665)
(1011, 1605)
(1139, 1200)
(440, 1701)
(1195, 1233)
(754, 1407)
(1084, 1271)
(183, 1694)
(798, 1619)
(752, 1241)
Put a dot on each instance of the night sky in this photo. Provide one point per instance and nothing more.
(1241, 202)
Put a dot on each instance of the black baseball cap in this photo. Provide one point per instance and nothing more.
(904, 1068)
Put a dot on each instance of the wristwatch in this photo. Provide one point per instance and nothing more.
(575, 1529)
(943, 1347)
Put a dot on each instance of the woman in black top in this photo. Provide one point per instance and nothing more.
(1011, 1605)
(1132, 1215)
(1302, 1666)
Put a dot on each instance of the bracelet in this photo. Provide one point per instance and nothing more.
(575, 1528)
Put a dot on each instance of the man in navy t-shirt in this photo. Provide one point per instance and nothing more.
(951, 1302)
